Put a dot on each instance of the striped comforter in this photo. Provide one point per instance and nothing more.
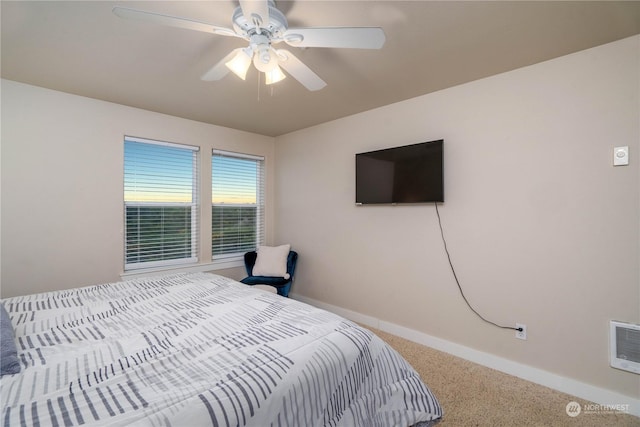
(200, 349)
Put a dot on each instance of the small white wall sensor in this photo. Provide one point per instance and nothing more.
(621, 156)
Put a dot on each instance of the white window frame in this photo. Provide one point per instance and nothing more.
(260, 205)
(194, 204)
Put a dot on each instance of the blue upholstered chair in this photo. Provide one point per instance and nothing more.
(281, 284)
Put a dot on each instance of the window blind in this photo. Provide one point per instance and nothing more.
(161, 203)
(237, 198)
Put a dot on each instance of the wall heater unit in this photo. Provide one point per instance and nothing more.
(625, 346)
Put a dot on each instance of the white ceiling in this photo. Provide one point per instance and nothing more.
(82, 48)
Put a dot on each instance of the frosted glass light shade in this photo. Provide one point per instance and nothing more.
(274, 75)
(240, 64)
(265, 60)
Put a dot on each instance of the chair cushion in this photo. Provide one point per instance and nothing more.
(265, 288)
(265, 280)
(272, 261)
(9, 363)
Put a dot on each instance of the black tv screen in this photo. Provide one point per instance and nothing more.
(407, 174)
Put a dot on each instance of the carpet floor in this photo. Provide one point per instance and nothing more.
(474, 395)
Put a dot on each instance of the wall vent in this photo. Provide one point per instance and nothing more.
(625, 346)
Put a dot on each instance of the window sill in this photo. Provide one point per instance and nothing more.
(210, 266)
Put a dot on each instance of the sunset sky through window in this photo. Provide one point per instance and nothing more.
(148, 179)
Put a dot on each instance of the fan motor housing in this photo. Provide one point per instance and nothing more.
(276, 26)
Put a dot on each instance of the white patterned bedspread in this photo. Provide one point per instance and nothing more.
(198, 350)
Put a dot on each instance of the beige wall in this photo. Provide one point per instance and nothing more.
(542, 229)
(62, 184)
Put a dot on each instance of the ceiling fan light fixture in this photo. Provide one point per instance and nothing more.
(261, 24)
(274, 75)
(240, 63)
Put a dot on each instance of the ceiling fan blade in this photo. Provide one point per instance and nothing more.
(299, 71)
(341, 37)
(219, 70)
(172, 21)
(256, 11)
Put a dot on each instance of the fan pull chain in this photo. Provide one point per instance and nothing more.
(259, 81)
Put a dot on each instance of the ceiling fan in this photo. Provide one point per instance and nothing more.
(263, 26)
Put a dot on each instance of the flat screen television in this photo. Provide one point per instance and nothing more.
(407, 174)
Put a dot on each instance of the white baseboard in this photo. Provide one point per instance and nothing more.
(579, 389)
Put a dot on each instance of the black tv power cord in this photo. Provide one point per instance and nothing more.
(455, 276)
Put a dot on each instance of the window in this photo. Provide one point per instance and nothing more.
(237, 199)
(161, 203)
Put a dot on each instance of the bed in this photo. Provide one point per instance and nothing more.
(200, 349)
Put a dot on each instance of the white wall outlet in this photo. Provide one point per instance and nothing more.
(521, 335)
(621, 156)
